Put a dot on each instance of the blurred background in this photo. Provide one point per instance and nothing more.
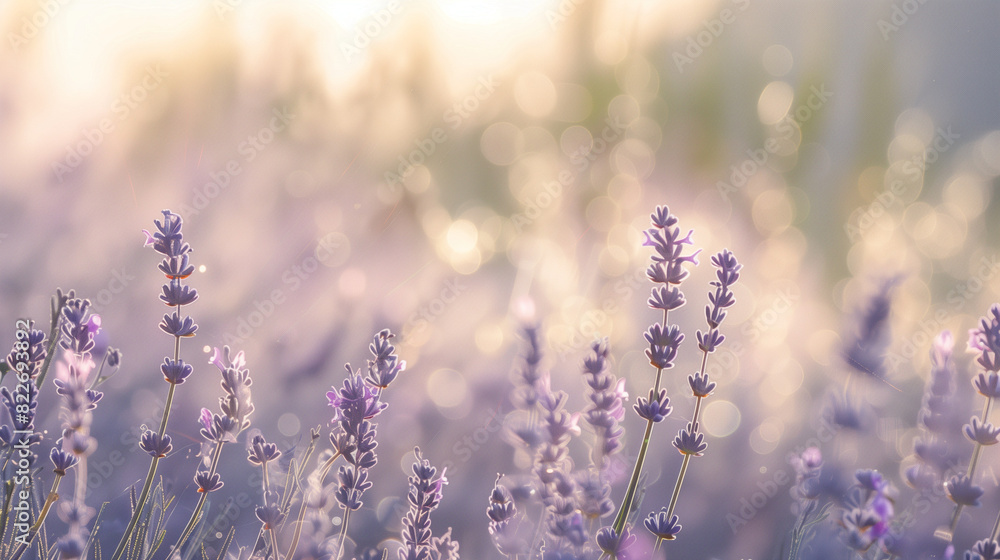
(449, 169)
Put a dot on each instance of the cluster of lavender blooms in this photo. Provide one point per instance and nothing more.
(285, 481)
(869, 511)
(867, 518)
(569, 502)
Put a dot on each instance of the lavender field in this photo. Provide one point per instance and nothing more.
(442, 279)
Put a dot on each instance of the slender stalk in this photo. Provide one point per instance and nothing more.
(302, 507)
(996, 528)
(972, 465)
(141, 503)
(343, 534)
(196, 514)
(619, 523)
(51, 499)
(677, 485)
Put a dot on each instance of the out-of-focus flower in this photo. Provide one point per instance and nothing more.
(962, 491)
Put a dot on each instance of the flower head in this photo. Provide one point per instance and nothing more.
(655, 408)
(962, 491)
(208, 482)
(661, 526)
(156, 446)
(261, 452)
(175, 372)
(690, 442)
(612, 543)
(983, 434)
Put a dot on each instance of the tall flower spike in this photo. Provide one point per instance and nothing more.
(666, 270)
(168, 241)
(864, 348)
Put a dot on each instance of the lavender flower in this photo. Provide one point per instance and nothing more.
(175, 371)
(962, 491)
(168, 240)
(605, 412)
(208, 481)
(864, 348)
(424, 497)
(986, 549)
(155, 445)
(690, 442)
(613, 543)
(261, 452)
(983, 434)
(62, 460)
(78, 326)
(503, 513)
(386, 366)
(868, 521)
(30, 351)
(931, 448)
(663, 527)
(655, 408)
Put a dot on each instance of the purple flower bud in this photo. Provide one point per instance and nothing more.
(690, 442)
(983, 434)
(174, 325)
(152, 443)
(61, 459)
(261, 451)
(655, 408)
(206, 482)
(612, 543)
(175, 372)
(270, 515)
(661, 526)
(700, 384)
(962, 491)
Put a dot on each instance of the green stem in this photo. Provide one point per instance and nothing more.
(196, 514)
(677, 486)
(972, 466)
(996, 529)
(140, 505)
(302, 507)
(633, 483)
(343, 534)
(51, 499)
(619, 523)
